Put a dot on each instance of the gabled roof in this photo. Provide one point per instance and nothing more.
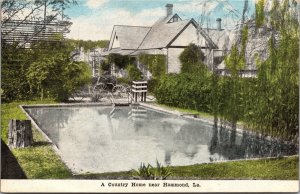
(160, 35)
(163, 33)
(130, 37)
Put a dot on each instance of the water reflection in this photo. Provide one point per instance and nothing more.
(45, 119)
(105, 139)
(231, 145)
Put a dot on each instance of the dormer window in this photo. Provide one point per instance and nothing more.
(175, 18)
(116, 37)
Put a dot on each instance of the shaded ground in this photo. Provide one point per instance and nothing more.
(10, 168)
(38, 161)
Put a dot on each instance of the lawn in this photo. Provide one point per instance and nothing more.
(37, 161)
(274, 169)
(40, 160)
(284, 168)
(186, 111)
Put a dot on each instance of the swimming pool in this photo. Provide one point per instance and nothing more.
(99, 139)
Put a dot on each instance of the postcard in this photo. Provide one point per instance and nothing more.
(178, 96)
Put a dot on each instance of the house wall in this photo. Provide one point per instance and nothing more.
(174, 64)
(189, 35)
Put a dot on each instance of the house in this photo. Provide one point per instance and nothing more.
(169, 36)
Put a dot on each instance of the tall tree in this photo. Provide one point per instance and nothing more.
(278, 78)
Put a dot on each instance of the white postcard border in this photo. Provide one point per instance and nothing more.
(134, 186)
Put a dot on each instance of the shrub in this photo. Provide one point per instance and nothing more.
(57, 78)
(46, 71)
(121, 61)
(156, 64)
(133, 72)
(105, 67)
(191, 59)
(152, 84)
(148, 172)
(185, 90)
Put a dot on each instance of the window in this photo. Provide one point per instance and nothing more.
(175, 19)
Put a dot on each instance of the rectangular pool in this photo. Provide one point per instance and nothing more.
(99, 139)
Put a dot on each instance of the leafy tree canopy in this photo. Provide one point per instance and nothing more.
(89, 44)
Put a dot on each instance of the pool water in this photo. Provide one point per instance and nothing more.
(101, 139)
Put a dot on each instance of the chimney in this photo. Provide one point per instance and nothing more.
(169, 9)
(219, 20)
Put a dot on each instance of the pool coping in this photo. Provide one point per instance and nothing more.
(147, 105)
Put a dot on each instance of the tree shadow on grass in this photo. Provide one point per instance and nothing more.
(10, 168)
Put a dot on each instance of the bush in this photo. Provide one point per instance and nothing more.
(133, 72)
(191, 59)
(119, 60)
(55, 77)
(156, 64)
(105, 67)
(46, 71)
(14, 66)
(152, 84)
(150, 173)
(185, 91)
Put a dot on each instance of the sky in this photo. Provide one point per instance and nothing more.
(94, 19)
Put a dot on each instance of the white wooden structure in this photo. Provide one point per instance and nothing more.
(139, 88)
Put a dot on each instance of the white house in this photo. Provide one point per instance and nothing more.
(169, 36)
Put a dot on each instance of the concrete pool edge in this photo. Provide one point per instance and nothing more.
(65, 105)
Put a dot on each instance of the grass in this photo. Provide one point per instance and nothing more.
(187, 111)
(264, 169)
(273, 169)
(38, 160)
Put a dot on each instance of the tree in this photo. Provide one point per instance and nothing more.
(89, 44)
(277, 93)
(25, 22)
(56, 76)
(192, 59)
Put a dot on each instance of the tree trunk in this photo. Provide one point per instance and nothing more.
(19, 133)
